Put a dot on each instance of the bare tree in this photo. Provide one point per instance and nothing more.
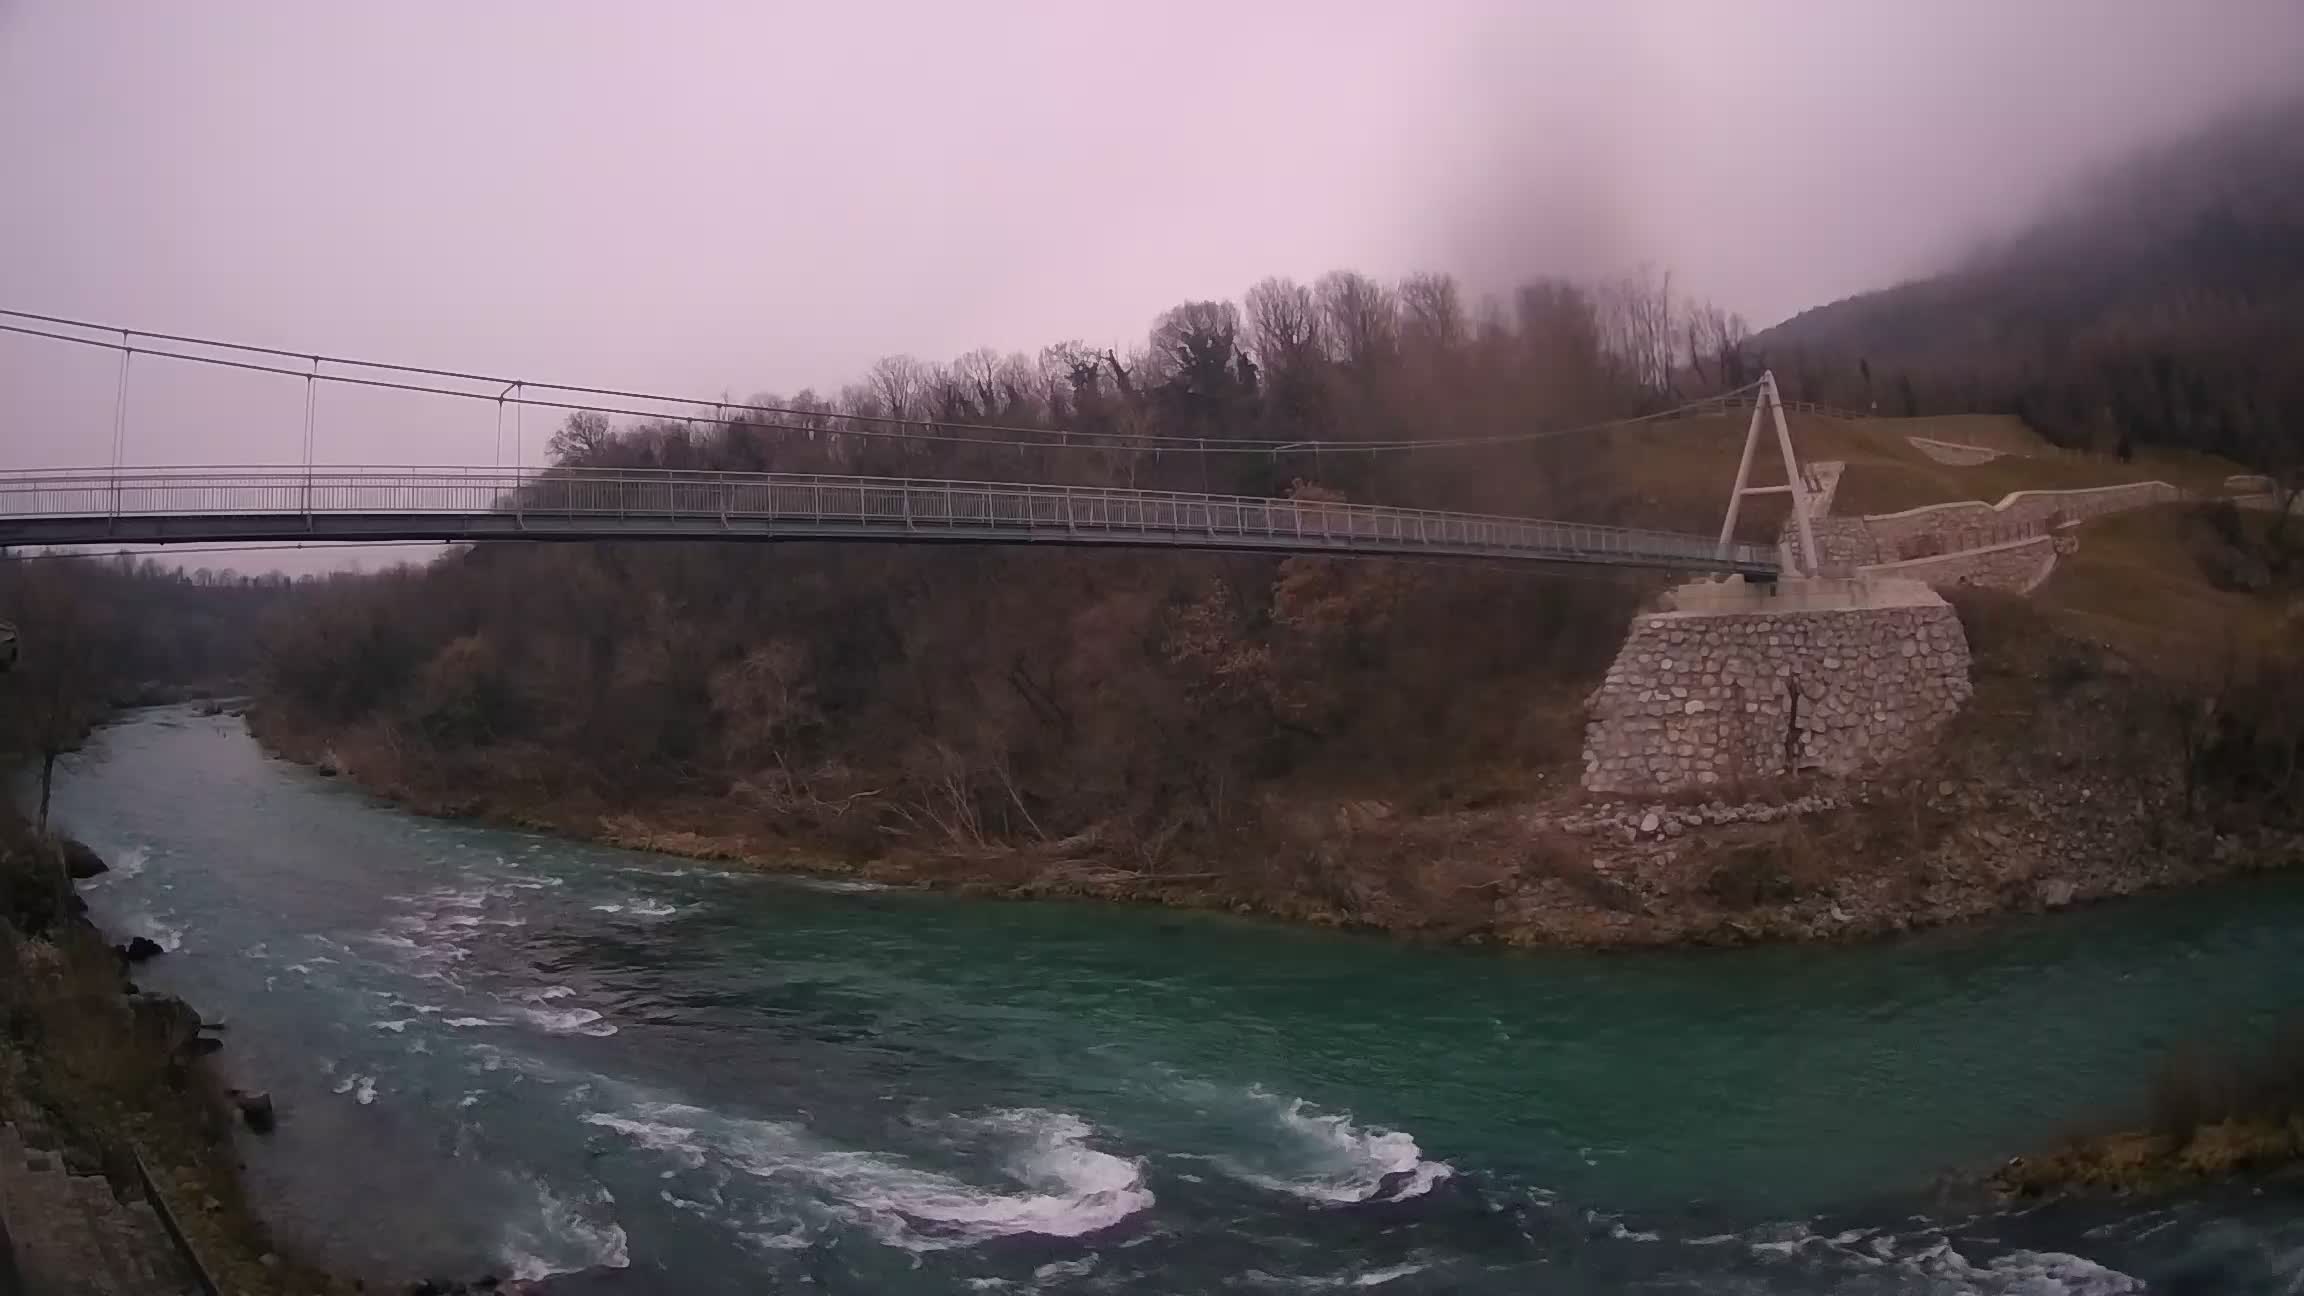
(1360, 319)
(1283, 326)
(581, 438)
(978, 376)
(1076, 364)
(900, 385)
(1560, 322)
(1196, 342)
(1636, 318)
(1432, 312)
(1717, 347)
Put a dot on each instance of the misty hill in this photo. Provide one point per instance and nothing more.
(2161, 301)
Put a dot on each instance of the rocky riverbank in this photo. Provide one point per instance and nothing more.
(2063, 781)
(2231, 1118)
(96, 1074)
(102, 1083)
(1714, 873)
(2135, 1162)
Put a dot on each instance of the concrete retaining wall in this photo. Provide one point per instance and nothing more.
(1953, 453)
(1741, 684)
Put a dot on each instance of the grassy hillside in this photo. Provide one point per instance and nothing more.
(1676, 474)
(2145, 584)
(2157, 585)
(2004, 432)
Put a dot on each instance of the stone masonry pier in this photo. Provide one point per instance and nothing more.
(1733, 681)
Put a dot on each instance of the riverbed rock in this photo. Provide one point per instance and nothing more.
(141, 948)
(1649, 823)
(167, 1021)
(255, 1109)
(81, 863)
(2056, 892)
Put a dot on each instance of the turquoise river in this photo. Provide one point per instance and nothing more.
(496, 1052)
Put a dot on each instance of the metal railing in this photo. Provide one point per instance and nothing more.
(160, 505)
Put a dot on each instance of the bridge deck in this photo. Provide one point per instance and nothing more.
(172, 505)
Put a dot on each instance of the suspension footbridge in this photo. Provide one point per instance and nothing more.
(120, 504)
(177, 505)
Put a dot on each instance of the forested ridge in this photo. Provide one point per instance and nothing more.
(2161, 302)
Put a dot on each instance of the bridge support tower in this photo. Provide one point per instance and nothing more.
(1767, 408)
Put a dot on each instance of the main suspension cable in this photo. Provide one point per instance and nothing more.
(880, 426)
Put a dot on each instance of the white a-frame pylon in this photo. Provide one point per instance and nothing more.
(1765, 403)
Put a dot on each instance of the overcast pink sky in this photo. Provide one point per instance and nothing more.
(741, 197)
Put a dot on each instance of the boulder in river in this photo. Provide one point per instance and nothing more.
(255, 1109)
(140, 948)
(81, 863)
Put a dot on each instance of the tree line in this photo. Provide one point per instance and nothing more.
(97, 634)
(867, 697)
(1343, 359)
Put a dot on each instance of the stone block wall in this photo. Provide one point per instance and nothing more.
(1844, 542)
(1699, 698)
(1971, 524)
(2017, 566)
(1959, 526)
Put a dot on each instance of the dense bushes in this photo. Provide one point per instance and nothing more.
(963, 696)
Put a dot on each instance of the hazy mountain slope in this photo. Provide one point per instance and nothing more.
(2162, 301)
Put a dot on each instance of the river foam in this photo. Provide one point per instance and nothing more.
(568, 1021)
(1932, 1260)
(565, 1232)
(1062, 1187)
(125, 863)
(1326, 1157)
(838, 886)
(146, 924)
(638, 907)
